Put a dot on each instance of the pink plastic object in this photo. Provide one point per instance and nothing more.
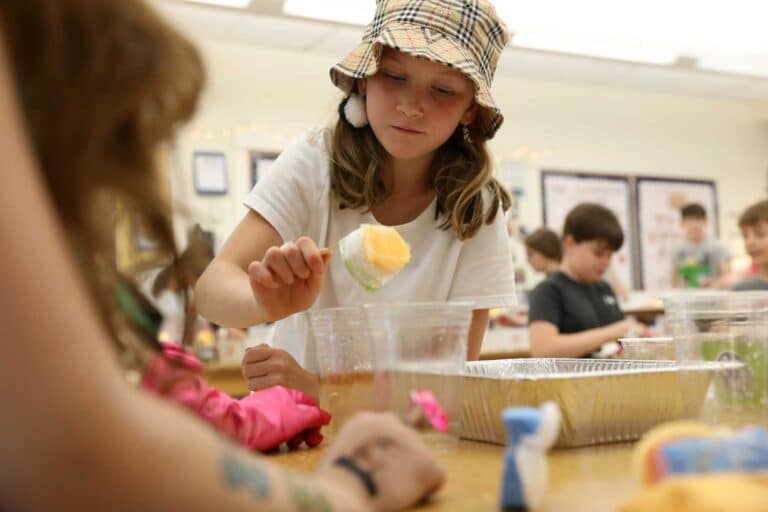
(425, 404)
(263, 420)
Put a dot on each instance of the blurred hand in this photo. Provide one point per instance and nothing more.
(265, 366)
(402, 468)
(289, 278)
(519, 319)
(636, 329)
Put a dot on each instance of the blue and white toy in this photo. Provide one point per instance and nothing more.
(531, 432)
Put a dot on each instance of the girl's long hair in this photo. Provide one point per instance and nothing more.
(460, 171)
(102, 83)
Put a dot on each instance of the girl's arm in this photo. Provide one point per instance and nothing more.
(546, 340)
(476, 333)
(257, 278)
(223, 293)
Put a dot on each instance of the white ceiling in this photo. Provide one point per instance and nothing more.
(263, 24)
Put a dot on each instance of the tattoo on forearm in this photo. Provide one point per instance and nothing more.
(239, 474)
(304, 497)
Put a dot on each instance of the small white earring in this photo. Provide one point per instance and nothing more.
(465, 133)
(353, 110)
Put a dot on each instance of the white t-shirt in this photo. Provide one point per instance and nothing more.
(295, 198)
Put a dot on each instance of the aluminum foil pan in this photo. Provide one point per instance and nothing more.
(602, 401)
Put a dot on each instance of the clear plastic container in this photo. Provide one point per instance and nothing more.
(732, 329)
(344, 358)
(421, 347)
(660, 348)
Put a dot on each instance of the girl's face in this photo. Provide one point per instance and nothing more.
(756, 242)
(589, 259)
(414, 105)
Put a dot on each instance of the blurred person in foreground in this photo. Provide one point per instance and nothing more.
(88, 91)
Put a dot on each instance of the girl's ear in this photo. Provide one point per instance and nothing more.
(568, 242)
(470, 114)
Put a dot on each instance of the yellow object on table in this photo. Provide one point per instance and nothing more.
(729, 492)
(657, 436)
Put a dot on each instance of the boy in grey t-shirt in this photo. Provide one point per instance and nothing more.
(699, 261)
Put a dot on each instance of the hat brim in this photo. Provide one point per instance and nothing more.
(363, 61)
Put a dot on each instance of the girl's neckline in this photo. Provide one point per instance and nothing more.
(430, 208)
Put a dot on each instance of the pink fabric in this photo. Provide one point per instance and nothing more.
(261, 421)
(431, 408)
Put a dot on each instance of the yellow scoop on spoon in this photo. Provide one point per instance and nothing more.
(374, 254)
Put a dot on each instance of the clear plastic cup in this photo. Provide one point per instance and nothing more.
(660, 348)
(344, 363)
(419, 351)
(730, 328)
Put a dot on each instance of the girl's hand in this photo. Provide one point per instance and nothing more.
(265, 366)
(403, 471)
(289, 278)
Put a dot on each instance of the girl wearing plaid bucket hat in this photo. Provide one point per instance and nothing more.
(408, 150)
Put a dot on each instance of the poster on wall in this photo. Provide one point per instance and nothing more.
(561, 191)
(659, 201)
(210, 172)
(259, 164)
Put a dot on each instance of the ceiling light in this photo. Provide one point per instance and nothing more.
(587, 45)
(353, 12)
(240, 4)
(719, 35)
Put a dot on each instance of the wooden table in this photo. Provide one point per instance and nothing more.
(592, 479)
(227, 377)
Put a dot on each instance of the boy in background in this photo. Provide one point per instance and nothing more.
(754, 228)
(574, 312)
(700, 262)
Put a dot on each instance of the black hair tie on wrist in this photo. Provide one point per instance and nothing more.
(363, 475)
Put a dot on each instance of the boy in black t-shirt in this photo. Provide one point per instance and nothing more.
(573, 312)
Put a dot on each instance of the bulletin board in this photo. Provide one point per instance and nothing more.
(562, 191)
(659, 201)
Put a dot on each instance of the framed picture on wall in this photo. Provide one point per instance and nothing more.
(136, 250)
(259, 163)
(210, 172)
(659, 201)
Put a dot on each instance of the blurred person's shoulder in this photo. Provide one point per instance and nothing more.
(552, 283)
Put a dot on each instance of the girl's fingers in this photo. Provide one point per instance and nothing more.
(265, 381)
(276, 263)
(295, 259)
(261, 275)
(325, 254)
(256, 370)
(257, 354)
(311, 254)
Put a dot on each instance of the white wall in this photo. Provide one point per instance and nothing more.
(260, 98)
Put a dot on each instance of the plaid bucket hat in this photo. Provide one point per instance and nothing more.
(464, 34)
